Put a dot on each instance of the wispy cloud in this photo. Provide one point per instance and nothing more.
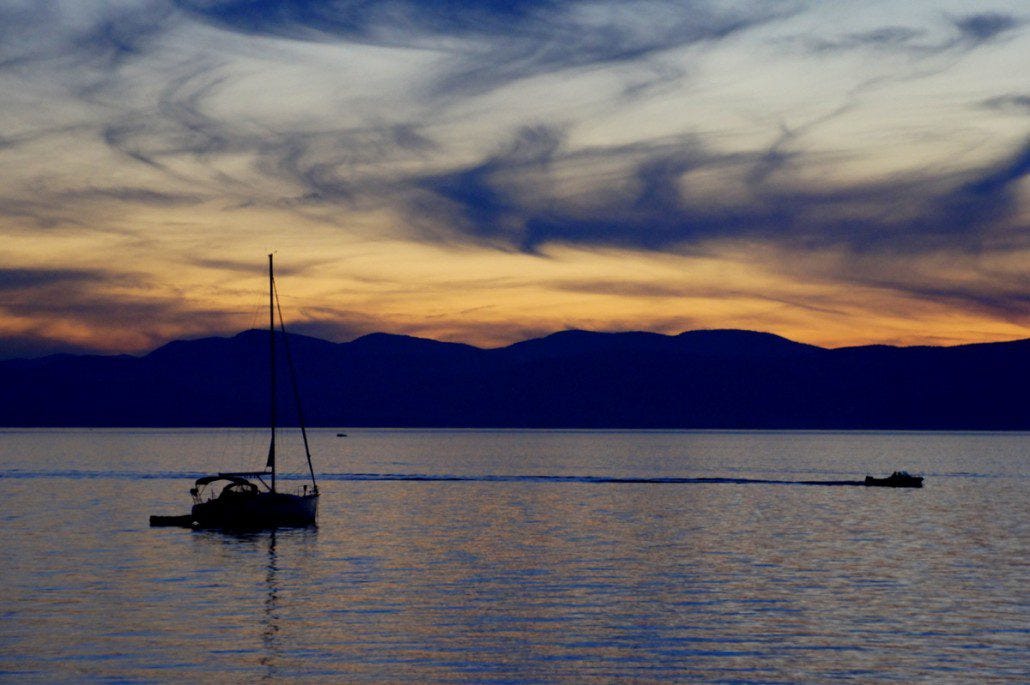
(654, 213)
(488, 44)
(17, 280)
(512, 128)
(1019, 104)
(966, 32)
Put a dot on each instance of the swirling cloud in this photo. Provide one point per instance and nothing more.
(516, 130)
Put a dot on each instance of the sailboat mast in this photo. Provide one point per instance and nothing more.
(271, 367)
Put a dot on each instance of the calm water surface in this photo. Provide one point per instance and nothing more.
(522, 581)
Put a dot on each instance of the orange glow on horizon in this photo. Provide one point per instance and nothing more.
(488, 298)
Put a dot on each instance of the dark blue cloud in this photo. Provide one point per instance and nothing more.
(652, 212)
(892, 37)
(970, 31)
(1018, 104)
(999, 181)
(119, 36)
(990, 199)
(293, 268)
(23, 279)
(101, 37)
(486, 205)
(516, 39)
(651, 215)
(132, 195)
(981, 28)
(367, 20)
(1003, 299)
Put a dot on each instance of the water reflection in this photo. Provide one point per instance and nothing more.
(253, 558)
(270, 619)
(529, 581)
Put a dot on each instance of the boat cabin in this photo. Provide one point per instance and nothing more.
(236, 485)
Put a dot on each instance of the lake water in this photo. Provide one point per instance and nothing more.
(522, 579)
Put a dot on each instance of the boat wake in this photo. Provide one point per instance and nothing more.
(657, 480)
(443, 478)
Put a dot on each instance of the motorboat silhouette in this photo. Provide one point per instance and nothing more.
(898, 479)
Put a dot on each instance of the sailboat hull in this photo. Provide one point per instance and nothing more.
(260, 510)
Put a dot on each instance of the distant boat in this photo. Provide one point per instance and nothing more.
(341, 435)
(251, 499)
(898, 479)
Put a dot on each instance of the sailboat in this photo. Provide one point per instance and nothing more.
(253, 499)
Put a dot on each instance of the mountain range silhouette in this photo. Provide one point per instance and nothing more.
(713, 379)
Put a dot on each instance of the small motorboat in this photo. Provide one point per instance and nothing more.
(898, 479)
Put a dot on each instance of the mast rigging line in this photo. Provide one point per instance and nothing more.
(295, 386)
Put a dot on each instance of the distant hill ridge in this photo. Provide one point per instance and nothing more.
(569, 379)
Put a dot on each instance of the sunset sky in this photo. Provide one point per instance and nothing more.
(837, 173)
